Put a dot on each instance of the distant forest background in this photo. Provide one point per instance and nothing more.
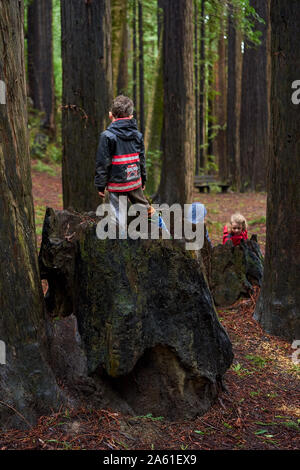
(223, 87)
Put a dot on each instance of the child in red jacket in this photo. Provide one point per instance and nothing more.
(236, 230)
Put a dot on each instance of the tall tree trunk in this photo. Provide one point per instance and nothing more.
(27, 385)
(179, 130)
(153, 132)
(196, 66)
(119, 46)
(40, 59)
(141, 68)
(234, 98)
(160, 18)
(87, 80)
(278, 305)
(254, 131)
(221, 104)
(210, 103)
(202, 87)
(134, 58)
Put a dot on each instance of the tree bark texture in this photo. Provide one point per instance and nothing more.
(153, 131)
(202, 88)
(87, 84)
(210, 103)
(134, 59)
(141, 69)
(160, 18)
(40, 59)
(119, 46)
(233, 99)
(27, 386)
(254, 126)
(221, 104)
(196, 68)
(151, 335)
(176, 184)
(278, 305)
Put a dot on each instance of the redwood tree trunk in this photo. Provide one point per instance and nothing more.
(40, 60)
(87, 81)
(196, 67)
(134, 58)
(179, 130)
(254, 127)
(27, 386)
(119, 46)
(278, 305)
(160, 18)
(141, 69)
(233, 99)
(221, 105)
(202, 87)
(210, 103)
(153, 131)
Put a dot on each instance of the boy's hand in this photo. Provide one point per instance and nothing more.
(101, 194)
(143, 187)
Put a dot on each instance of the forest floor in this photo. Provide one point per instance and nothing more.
(260, 409)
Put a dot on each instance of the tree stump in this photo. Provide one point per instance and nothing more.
(233, 270)
(148, 339)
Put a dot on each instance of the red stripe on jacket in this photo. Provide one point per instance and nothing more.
(122, 187)
(126, 155)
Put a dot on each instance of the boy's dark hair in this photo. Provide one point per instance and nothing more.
(121, 107)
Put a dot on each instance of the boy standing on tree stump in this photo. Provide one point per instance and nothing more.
(120, 161)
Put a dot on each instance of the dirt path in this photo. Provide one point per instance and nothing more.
(47, 192)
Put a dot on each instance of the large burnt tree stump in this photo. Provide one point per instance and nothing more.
(149, 335)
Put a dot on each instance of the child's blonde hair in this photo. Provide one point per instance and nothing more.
(238, 219)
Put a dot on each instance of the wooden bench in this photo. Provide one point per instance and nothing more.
(203, 182)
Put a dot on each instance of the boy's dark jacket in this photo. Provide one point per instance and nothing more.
(120, 161)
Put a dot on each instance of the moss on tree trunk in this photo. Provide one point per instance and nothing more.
(27, 385)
